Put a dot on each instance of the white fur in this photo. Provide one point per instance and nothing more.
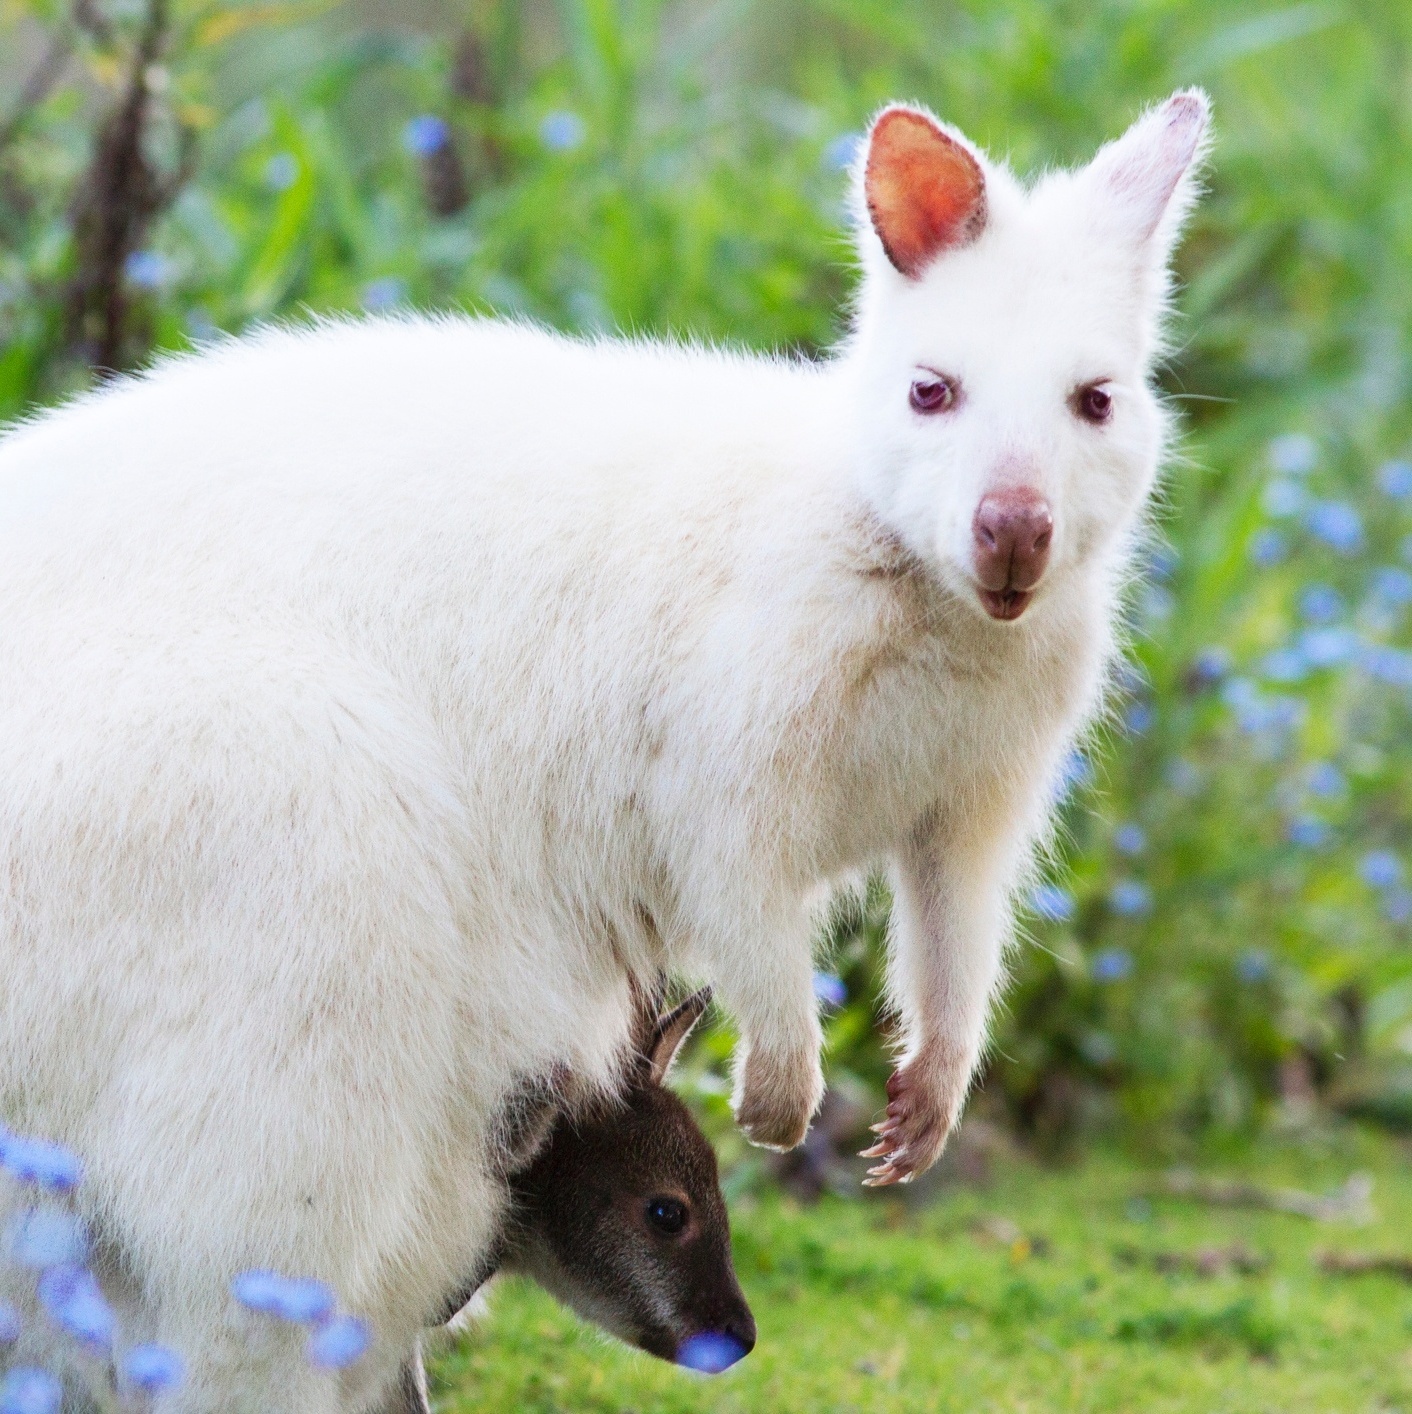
(379, 698)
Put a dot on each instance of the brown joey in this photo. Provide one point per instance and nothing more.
(620, 1216)
(618, 1213)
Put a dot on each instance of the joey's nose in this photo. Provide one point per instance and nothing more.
(742, 1329)
(1011, 535)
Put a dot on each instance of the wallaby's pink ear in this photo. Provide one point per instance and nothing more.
(925, 190)
(671, 1032)
(1146, 178)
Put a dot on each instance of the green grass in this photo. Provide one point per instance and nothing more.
(876, 1305)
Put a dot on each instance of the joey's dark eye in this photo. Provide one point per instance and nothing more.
(932, 394)
(1093, 402)
(667, 1215)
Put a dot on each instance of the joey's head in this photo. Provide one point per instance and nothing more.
(621, 1217)
(1005, 340)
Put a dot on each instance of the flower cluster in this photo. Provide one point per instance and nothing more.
(336, 1340)
(47, 1249)
(1254, 796)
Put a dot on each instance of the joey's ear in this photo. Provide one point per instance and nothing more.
(671, 1031)
(924, 188)
(1146, 180)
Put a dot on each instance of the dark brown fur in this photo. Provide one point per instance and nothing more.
(580, 1223)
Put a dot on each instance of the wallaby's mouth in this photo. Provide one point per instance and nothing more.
(1005, 604)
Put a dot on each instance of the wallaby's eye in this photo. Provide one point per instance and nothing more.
(934, 393)
(667, 1215)
(1093, 402)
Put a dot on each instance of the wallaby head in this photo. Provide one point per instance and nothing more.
(1004, 341)
(620, 1216)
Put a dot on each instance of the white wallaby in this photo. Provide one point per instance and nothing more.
(387, 704)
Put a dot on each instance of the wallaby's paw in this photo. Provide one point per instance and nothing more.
(924, 1099)
(777, 1098)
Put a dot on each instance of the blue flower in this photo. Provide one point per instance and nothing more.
(1294, 454)
(1051, 902)
(1253, 965)
(1130, 898)
(27, 1390)
(147, 269)
(1130, 839)
(426, 134)
(281, 171)
(1112, 965)
(44, 1237)
(1389, 665)
(1256, 712)
(710, 1352)
(152, 1368)
(829, 989)
(1284, 665)
(1267, 547)
(1211, 664)
(1140, 717)
(1397, 904)
(1308, 832)
(1285, 498)
(1329, 647)
(338, 1343)
(300, 1299)
(384, 293)
(1325, 780)
(39, 1162)
(562, 131)
(1392, 586)
(71, 1298)
(258, 1290)
(1395, 477)
(1163, 562)
(1320, 604)
(305, 1300)
(11, 1326)
(1240, 693)
(1337, 524)
(1380, 869)
(1075, 772)
(843, 151)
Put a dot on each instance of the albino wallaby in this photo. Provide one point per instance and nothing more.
(620, 1216)
(384, 704)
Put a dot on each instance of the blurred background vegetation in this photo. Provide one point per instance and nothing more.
(1225, 940)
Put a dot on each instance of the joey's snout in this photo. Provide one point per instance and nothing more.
(1011, 534)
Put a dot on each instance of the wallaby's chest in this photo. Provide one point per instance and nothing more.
(925, 715)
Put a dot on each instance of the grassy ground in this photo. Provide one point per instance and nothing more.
(1046, 1290)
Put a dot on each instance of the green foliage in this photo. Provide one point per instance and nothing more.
(627, 165)
(1052, 1289)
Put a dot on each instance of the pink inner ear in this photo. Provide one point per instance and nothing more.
(925, 192)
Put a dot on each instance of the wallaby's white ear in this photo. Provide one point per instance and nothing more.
(1146, 179)
(924, 189)
(671, 1032)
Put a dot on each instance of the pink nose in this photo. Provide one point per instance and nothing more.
(1012, 531)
